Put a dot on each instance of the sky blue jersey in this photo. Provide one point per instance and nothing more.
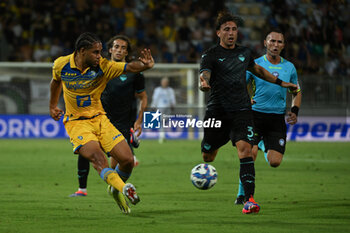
(269, 97)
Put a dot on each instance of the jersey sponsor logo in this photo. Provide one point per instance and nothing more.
(276, 74)
(80, 84)
(221, 59)
(152, 120)
(276, 68)
(80, 137)
(123, 77)
(241, 58)
(70, 74)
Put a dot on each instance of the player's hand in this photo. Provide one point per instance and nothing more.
(203, 85)
(137, 128)
(252, 101)
(292, 119)
(56, 113)
(291, 86)
(146, 58)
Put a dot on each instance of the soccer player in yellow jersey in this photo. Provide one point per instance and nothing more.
(83, 75)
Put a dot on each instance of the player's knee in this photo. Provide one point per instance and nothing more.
(208, 157)
(127, 162)
(244, 152)
(275, 162)
(274, 158)
(254, 154)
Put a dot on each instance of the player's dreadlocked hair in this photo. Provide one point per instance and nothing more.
(225, 16)
(86, 40)
(120, 37)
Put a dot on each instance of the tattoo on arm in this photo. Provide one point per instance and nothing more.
(204, 79)
(206, 76)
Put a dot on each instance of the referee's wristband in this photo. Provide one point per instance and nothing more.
(295, 110)
(278, 81)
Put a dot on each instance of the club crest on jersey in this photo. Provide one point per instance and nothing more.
(276, 74)
(281, 142)
(207, 146)
(241, 58)
(123, 77)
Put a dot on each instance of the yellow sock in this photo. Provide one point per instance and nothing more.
(114, 179)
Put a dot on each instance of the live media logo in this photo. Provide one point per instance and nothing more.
(152, 120)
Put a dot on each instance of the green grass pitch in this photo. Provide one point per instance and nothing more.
(309, 192)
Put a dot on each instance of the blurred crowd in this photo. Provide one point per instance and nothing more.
(318, 35)
(177, 31)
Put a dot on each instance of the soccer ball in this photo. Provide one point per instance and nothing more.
(204, 176)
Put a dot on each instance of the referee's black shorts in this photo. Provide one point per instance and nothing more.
(272, 129)
(235, 126)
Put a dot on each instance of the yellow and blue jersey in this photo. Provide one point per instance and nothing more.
(82, 89)
(269, 97)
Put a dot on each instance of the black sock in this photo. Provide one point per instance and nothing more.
(83, 171)
(247, 175)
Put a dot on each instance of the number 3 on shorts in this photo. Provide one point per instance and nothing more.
(251, 133)
(83, 100)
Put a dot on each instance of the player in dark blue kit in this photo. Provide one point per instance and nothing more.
(223, 72)
(120, 103)
(269, 104)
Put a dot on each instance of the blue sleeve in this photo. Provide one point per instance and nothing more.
(294, 76)
(249, 76)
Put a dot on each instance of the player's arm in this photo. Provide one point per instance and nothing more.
(55, 91)
(250, 86)
(143, 105)
(262, 73)
(145, 62)
(293, 113)
(204, 79)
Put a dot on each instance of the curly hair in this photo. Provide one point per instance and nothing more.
(225, 16)
(120, 37)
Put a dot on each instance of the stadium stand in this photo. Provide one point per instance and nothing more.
(178, 31)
